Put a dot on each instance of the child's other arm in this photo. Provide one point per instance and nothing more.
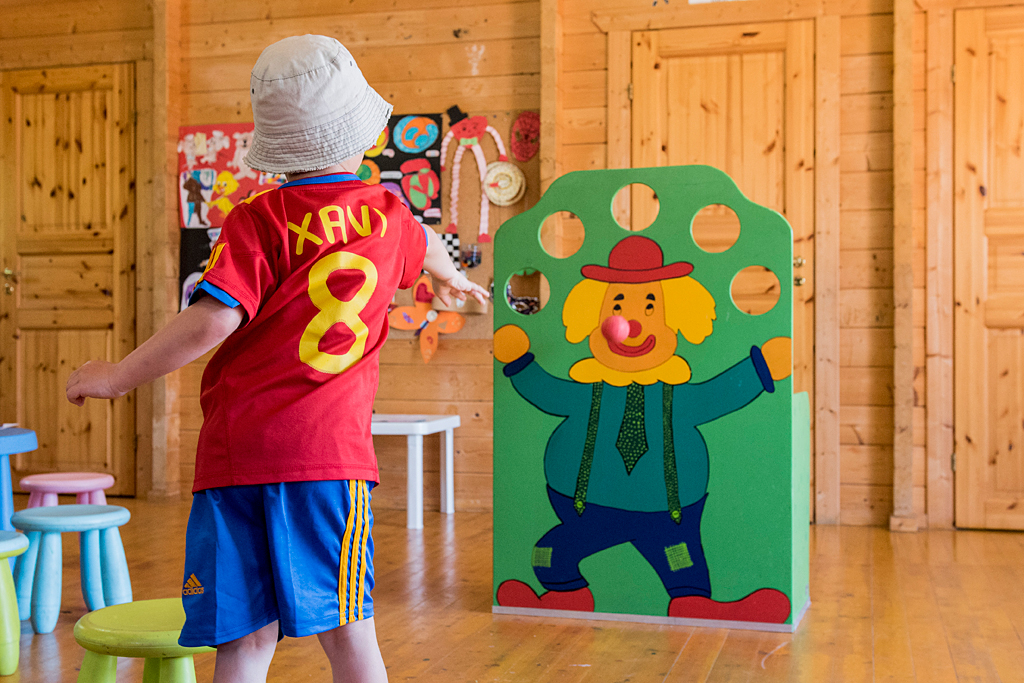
(190, 334)
(448, 280)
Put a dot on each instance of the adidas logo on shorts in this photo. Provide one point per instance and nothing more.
(192, 586)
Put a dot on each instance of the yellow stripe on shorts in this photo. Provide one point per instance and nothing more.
(346, 543)
(354, 561)
(362, 547)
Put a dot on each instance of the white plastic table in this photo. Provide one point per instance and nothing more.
(414, 428)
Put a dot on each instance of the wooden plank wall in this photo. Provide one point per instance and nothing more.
(70, 32)
(866, 192)
(423, 56)
(866, 313)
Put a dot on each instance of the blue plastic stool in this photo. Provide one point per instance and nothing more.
(37, 574)
(11, 543)
(12, 440)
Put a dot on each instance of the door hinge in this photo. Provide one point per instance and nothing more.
(952, 73)
(629, 92)
(952, 461)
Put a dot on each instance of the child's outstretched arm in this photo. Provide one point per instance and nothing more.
(189, 335)
(447, 279)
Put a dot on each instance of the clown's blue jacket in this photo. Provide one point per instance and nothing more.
(679, 408)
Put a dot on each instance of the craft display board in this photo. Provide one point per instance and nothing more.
(479, 326)
(563, 422)
(406, 160)
(212, 179)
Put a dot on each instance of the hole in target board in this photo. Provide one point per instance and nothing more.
(527, 291)
(755, 290)
(715, 228)
(562, 234)
(635, 207)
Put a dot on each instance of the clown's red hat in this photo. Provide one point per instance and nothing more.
(634, 260)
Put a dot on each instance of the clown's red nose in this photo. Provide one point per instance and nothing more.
(635, 328)
(615, 328)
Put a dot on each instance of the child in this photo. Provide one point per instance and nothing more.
(297, 289)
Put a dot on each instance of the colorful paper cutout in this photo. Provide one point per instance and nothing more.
(525, 141)
(212, 174)
(427, 323)
(406, 160)
(468, 131)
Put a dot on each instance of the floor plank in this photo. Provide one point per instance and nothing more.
(934, 607)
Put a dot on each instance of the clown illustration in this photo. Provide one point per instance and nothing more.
(628, 462)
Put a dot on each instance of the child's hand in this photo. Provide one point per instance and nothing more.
(460, 286)
(92, 380)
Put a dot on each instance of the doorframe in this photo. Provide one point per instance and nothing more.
(618, 27)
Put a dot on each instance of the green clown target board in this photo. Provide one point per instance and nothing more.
(651, 461)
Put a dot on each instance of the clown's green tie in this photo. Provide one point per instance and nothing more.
(632, 441)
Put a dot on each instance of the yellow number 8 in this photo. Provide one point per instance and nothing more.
(334, 311)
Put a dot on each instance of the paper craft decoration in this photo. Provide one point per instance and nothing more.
(407, 161)
(656, 467)
(421, 317)
(467, 131)
(504, 183)
(525, 140)
(212, 174)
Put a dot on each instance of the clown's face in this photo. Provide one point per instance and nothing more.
(650, 342)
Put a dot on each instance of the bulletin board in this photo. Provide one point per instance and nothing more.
(480, 326)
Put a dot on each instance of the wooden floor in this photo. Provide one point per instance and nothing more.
(930, 607)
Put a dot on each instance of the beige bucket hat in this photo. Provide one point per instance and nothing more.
(312, 106)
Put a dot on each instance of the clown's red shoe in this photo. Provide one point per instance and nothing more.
(514, 593)
(765, 606)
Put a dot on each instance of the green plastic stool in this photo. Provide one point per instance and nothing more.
(11, 544)
(147, 629)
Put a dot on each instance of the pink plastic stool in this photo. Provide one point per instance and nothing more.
(43, 488)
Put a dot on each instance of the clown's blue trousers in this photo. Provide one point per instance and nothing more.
(673, 550)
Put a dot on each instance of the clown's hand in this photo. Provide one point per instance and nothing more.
(778, 354)
(510, 343)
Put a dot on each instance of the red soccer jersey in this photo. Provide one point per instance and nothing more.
(289, 395)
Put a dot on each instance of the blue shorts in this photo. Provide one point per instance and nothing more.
(299, 553)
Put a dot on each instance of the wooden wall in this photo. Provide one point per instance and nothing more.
(866, 227)
(71, 32)
(486, 57)
(866, 271)
(423, 56)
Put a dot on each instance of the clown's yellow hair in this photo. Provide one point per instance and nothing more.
(689, 308)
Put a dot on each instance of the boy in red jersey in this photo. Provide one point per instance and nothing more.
(297, 289)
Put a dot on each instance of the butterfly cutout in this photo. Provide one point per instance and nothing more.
(421, 317)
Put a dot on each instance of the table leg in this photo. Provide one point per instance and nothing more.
(10, 628)
(448, 472)
(414, 494)
(117, 584)
(6, 494)
(46, 588)
(92, 573)
(25, 575)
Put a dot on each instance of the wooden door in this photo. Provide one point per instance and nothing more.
(740, 98)
(67, 250)
(989, 268)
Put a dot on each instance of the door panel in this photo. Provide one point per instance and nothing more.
(67, 247)
(989, 268)
(740, 98)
